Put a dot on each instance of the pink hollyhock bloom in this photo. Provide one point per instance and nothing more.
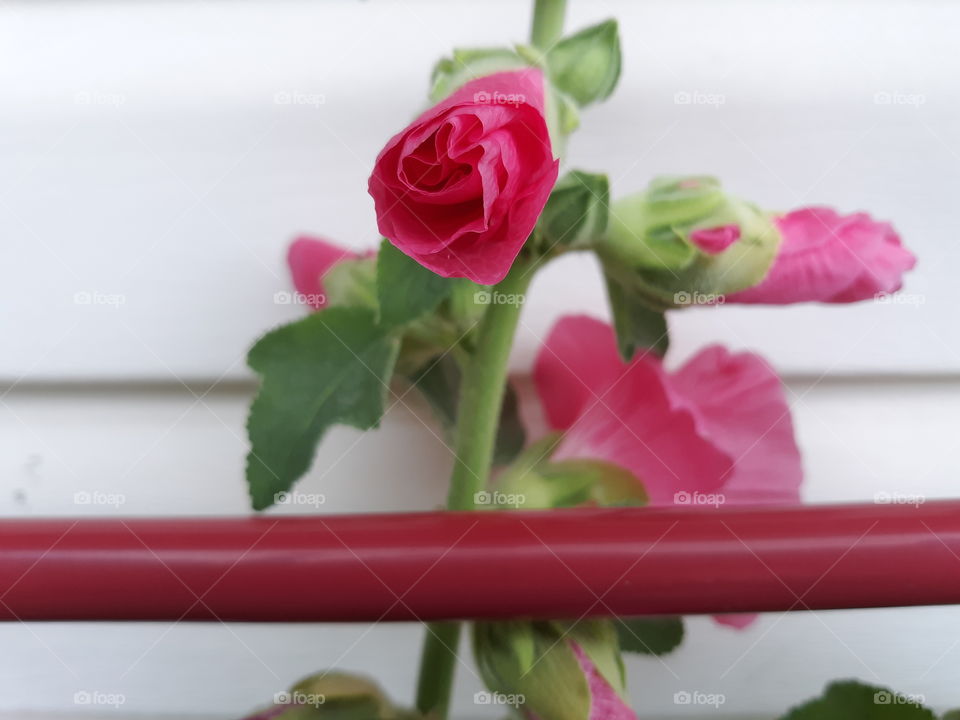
(831, 258)
(720, 425)
(460, 189)
(310, 259)
(718, 430)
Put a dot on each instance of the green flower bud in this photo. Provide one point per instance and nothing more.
(586, 65)
(684, 241)
(334, 695)
(550, 670)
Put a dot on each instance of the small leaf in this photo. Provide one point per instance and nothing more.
(638, 326)
(852, 700)
(650, 636)
(331, 367)
(586, 65)
(576, 213)
(406, 290)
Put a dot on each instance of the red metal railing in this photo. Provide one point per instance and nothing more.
(565, 563)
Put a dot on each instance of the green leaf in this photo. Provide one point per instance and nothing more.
(331, 367)
(576, 213)
(406, 290)
(852, 700)
(650, 636)
(586, 65)
(467, 64)
(639, 327)
(439, 382)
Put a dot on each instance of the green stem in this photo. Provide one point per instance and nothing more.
(437, 664)
(481, 398)
(547, 23)
(481, 391)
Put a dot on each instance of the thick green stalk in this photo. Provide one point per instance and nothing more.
(437, 664)
(481, 392)
(481, 399)
(547, 24)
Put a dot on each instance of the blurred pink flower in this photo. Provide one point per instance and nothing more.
(311, 258)
(716, 431)
(460, 189)
(831, 258)
(719, 425)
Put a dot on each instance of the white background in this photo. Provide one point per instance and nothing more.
(143, 155)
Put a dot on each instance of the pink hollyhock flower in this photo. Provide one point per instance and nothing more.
(718, 430)
(720, 425)
(461, 188)
(310, 259)
(831, 258)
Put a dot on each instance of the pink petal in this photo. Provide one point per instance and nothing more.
(310, 259)
(605, 702)
(636, 424)
(740, 407)
(577, 361)
(716, 239)
(738, 621)
(832, 258)
(460, 189)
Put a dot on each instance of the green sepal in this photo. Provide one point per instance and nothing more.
(352, 282)
(576, 213)
(539, 482)
(525, 660)
(598, 639)
(639, 327)
(466, 64)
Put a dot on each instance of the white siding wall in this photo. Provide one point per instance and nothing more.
(143, 155)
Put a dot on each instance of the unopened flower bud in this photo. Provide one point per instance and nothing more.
(684, 236)
(554, 670)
